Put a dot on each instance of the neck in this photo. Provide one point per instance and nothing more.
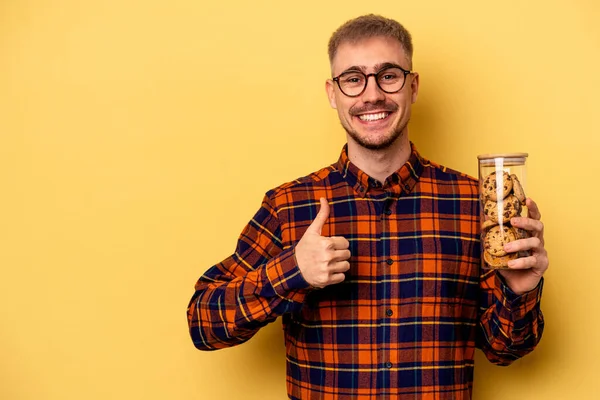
(380, 164)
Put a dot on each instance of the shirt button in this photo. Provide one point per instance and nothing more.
(388, 211)
(389, 261)
(389, 312)
(388, 364)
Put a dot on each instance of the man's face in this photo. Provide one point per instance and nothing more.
(374, 119)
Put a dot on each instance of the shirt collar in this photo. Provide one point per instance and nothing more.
(403, 180)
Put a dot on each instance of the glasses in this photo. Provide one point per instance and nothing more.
(354, 83)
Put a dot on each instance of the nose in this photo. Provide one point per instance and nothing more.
(372, 93)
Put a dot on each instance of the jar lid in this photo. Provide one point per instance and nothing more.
(502, 155)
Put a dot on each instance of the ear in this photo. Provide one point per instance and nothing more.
(414, 86)
(330, 89)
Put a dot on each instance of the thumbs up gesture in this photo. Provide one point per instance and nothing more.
(322, 260)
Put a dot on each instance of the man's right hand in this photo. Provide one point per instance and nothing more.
(322, 260)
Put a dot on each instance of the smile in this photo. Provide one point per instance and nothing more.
(373, 117)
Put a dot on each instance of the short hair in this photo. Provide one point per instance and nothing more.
(368, 26)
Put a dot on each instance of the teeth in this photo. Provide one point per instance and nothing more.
(373, 117)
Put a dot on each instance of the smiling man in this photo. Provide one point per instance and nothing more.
(374, 261)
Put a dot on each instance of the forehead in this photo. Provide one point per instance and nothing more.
(368, 53)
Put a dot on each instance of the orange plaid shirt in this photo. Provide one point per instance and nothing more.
(413, 307)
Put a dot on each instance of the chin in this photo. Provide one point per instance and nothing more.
(379, 144)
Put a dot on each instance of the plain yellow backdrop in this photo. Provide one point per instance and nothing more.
(138, 137)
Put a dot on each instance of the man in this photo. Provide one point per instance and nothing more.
(374, 261)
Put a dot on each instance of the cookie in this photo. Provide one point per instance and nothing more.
(521, 233)
(490, 190)
(498, 262)
(518, 189)
(488, 224)
(511, 207)
(496, 238)
(490, 209)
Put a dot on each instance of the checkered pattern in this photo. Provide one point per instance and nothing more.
(414, 306)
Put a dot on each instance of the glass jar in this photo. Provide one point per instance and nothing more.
(502, 189)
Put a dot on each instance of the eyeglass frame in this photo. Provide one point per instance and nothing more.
(375, 75)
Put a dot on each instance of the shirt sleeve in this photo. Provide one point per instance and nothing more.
(249, 289)
(510, 325)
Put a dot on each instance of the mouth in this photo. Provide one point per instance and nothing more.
(373, 116)
(374, 119)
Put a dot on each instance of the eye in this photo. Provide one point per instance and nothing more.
(389, 75)
(352, 79)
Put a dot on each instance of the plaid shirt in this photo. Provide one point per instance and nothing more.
(413, 307)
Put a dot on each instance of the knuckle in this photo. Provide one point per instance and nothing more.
(314, 281)
(532, 261)
(321, 280)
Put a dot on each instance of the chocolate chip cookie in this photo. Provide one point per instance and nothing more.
(518, 189)
(488, 224)
(521, 233)
(498, 262)
(489, 186)
(496, 238)
(509, 207)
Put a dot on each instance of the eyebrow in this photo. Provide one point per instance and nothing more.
(376, 67)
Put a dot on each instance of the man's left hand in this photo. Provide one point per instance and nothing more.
(525, 273)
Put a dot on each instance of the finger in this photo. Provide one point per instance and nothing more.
(317, 225)
(533, 226)
(339, 242)
(532, 209)
(339, 266)
(528, 224)
(523, 245)
(337, 278)
(522, 263)
(341, 255)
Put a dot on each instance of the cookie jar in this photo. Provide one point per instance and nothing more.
(502, 194)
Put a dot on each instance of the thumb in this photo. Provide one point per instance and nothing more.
(321, 218)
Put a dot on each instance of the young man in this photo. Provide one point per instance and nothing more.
(374, 261)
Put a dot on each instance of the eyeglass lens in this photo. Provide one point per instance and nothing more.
(353, 83)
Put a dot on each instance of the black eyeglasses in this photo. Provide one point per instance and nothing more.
(390, 80)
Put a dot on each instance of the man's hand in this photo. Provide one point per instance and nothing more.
(322, 260)
(525, 273)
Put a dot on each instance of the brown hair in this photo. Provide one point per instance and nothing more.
(368, 26)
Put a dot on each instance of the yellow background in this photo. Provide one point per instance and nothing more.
(138, 137)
